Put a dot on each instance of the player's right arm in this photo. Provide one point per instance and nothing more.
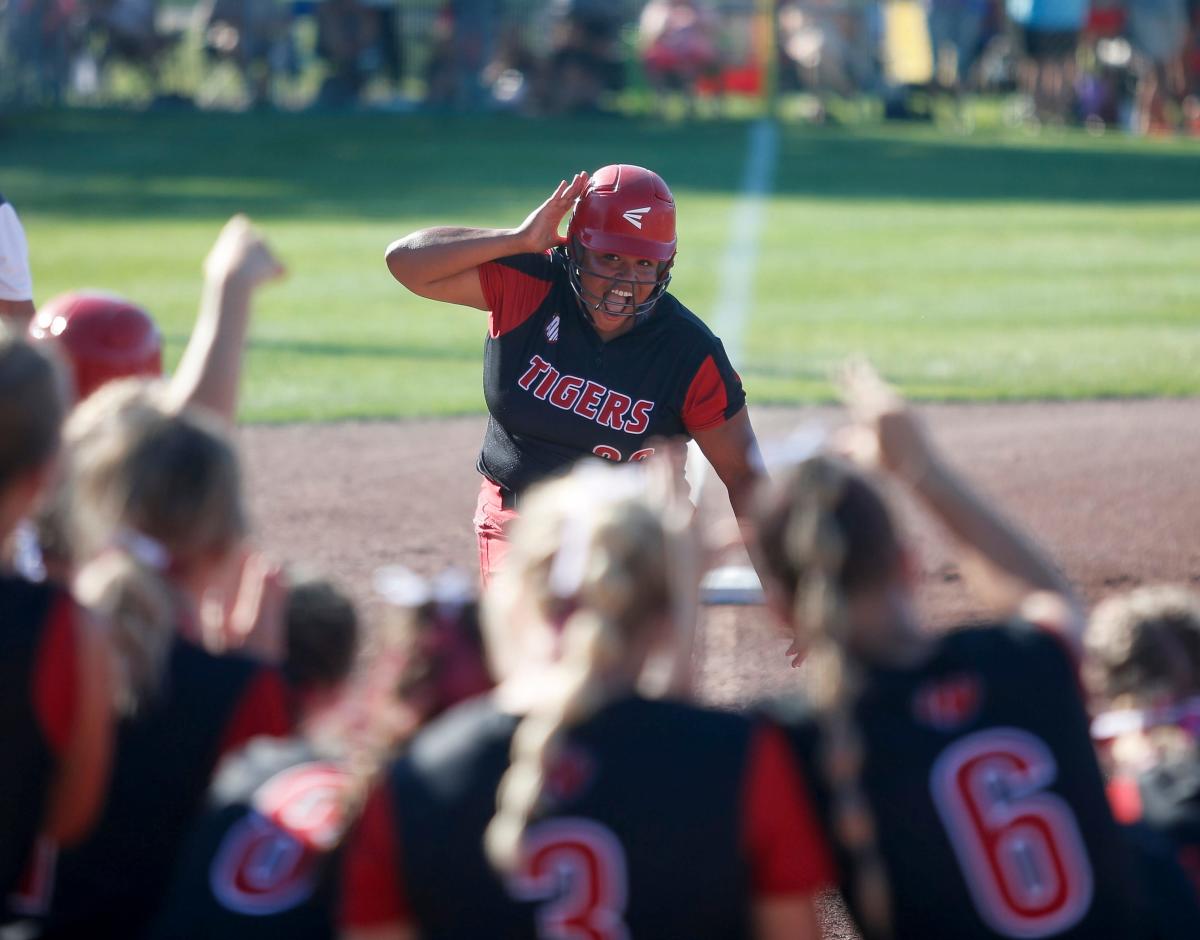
(442, 263)
(1008, 568)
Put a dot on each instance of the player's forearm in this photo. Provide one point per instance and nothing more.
(1005, 551)
(433, 254)
(17, 315)
(210, 372)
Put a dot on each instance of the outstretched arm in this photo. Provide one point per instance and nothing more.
(210, 372)
(441, 263)
(889, 435)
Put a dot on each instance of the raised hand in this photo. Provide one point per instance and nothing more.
(540, 228)
(241, 253)
(886, 433)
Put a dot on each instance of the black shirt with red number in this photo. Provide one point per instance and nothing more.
(661, 820)
(38, 689)
(111, 884)
(261, 860)
(556, 392)
(986, 793)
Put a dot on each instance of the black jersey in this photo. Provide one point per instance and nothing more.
(990, 809)
(556, 392)
(664, 821)
(37, 704)
(111, 884)
(262, 859)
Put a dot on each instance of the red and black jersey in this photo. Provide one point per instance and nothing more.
(556, 392)
(112, 883)
(38, 703)
(262, 859)
(1166, 801)
(662, 820)
(986, 793)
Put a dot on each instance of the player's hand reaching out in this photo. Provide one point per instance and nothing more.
(885, 433)
(241, 254)
(540, 228)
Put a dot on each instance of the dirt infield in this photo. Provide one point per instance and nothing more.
(1112, 489)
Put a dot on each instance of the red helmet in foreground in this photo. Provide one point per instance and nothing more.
(102, 336)
(625, 210)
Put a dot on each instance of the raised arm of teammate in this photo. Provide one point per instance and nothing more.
(210, 372)
(1008, 568)
(440, 263)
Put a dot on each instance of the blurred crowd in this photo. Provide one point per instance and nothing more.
(1133, 64)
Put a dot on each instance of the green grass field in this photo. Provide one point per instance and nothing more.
(995, 266)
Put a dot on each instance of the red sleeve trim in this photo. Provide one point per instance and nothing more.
(264, 709)
(56, 680)
(706, 401)
(1125, 799)
(372, 886)
(512, 296)
(785, 845)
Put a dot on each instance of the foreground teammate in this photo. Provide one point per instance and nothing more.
(954, 770)
(158, 501)
(586, 353)
(263, 859)
(55, 712)
(566, 804)
(1144, 666)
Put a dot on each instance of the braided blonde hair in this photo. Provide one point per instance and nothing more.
(826, 535)
(592, 566)
(152, 494)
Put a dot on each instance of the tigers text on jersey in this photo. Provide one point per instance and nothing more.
(662, 820)
(987, 797)
(556, 392)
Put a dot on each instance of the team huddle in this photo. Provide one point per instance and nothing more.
(209, 746)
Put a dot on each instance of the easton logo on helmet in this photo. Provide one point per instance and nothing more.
(634, 216)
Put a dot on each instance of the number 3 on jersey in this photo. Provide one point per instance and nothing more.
(1018, 846)
(576, 868)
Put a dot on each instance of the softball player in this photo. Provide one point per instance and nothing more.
(55, 717)
(1143, 664)
(158, 502)
(954, 771)
(566, 804)
(586, 352)
(263, 859)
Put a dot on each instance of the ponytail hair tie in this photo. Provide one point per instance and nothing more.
(145, 549)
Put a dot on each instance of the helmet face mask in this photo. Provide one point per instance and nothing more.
(628, 211)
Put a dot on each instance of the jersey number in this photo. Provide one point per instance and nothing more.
(1018, 846)
(611, 453)
(576, 869)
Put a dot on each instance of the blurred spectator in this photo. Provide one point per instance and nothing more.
(1047, 32)
(256, 36)
(348, 41)
(1158, 33)
(680, 44)
(956, 30)
(586, 61)
(828, 47)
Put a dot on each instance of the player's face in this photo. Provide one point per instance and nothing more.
(612, 285)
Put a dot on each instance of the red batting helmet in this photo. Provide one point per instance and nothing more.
(625, 210)
(103, 336)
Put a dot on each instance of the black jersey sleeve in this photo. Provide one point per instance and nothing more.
(514, 287)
